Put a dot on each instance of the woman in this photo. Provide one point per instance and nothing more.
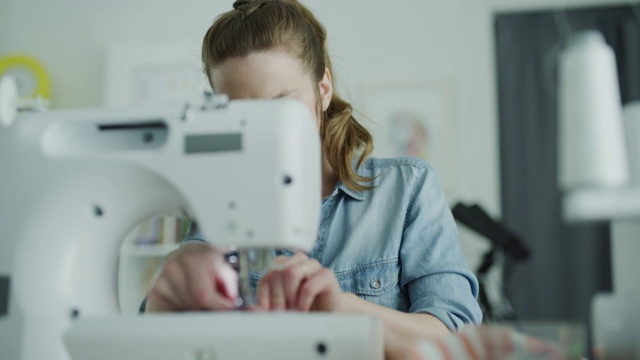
(387, 242)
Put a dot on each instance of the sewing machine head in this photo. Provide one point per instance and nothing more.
(74, 183)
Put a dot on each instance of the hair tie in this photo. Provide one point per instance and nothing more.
(260, 3)
(240, 3)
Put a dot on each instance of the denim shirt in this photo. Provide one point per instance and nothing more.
(397, 245)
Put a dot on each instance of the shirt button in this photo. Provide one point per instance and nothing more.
(375, 284)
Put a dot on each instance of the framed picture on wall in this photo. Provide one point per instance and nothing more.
(160, 74)
(414, 120)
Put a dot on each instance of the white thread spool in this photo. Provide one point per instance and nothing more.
(592, 144)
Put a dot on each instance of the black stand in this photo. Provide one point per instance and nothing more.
(504, 243)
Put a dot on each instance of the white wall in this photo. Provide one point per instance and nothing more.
(70, 37)
(372, 42)
(4, 25)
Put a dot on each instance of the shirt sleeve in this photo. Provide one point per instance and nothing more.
(434, 270)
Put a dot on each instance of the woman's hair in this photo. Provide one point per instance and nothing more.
(261, 25)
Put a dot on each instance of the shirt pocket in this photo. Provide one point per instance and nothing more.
(376, 282)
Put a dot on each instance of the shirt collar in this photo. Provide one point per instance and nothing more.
(357, 195)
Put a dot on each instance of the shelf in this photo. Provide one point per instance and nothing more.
(602, 204)
(148, 250)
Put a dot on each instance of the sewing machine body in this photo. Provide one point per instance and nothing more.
(74, 183)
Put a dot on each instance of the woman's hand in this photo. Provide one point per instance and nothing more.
(299, 283)
(194, 277)
(485, 343)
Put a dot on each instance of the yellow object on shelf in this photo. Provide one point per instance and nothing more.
(31, 77)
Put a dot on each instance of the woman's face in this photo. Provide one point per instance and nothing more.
(271, 74)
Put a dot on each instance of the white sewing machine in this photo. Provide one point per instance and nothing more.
(74, 183)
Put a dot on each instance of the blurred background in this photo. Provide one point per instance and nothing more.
(468, 85)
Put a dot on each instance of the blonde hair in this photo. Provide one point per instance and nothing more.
(261, 25)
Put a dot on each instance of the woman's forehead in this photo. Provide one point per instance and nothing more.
(264, 74)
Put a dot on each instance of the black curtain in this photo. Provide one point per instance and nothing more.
(570, 262)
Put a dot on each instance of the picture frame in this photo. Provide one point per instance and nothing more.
(414, 120)
(159, 74)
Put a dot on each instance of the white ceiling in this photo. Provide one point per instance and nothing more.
(538, 4)
(497, 5)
